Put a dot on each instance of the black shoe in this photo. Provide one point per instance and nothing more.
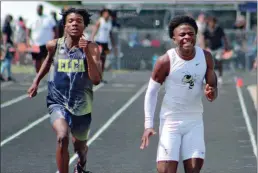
(104, 81)
(79, 169)
(2, 78)
(10, 79)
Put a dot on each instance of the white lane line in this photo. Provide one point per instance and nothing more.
(25, 129)
(24, 96)
(35, 123)
(247, 120)
(4, 84)
(20, 98)
(112, 119)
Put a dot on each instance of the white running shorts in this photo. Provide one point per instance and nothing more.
(185, 135)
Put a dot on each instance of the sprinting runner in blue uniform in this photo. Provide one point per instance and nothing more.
(74, 66)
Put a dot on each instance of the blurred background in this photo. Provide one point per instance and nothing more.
(141, 32)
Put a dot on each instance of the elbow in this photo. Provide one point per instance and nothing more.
(96, 81)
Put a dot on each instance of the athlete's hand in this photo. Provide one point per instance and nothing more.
(32, 91)
(83, 43)
(210, 92)
(145, 137)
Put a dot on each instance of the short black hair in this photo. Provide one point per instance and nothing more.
(83, 12)
(212, 18)
(178, 20)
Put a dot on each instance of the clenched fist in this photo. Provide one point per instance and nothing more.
(83, 43)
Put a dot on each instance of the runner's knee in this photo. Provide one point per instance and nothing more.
(193, 165)
(80, 147)
(166, 167)
(162, 168)
(63, 139)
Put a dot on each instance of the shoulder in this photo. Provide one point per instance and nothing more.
(51, 45)
(161, 69)
(163, 59)
(101, 19)
(163, 64)
(207, 54)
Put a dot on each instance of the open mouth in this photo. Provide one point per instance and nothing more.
(75, 30)
(187, 43)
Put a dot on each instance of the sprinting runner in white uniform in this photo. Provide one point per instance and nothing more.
(102, 34)
(182, 70)
(181, 110)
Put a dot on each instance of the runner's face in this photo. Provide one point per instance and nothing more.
(106, 15)
(211, 23)
(74, 24)
(185, 37)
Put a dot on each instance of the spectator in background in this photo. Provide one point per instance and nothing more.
(102, 34)
(146, 42)
(20, 37)
(115, 33)
(41, 30)
(201, 23)
(20, 33)
(53, 14)
(216, 42)
(7, 30)
(60, 26)
(240, 23)
(7, 48)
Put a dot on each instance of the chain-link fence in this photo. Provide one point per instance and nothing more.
(244, 47)
(139, 49)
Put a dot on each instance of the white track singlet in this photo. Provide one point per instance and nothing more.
(103, 33)
(181, 124)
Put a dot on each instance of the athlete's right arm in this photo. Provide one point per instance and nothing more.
(95, 30)
(159, 74)
(51, 47)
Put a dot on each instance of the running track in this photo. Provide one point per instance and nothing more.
(118, 122)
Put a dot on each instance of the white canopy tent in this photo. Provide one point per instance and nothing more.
(26, 9)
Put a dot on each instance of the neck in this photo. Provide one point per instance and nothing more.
(72, 41)
(185, 54)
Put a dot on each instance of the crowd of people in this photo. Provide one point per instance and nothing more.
(212, 37)
(20, 38)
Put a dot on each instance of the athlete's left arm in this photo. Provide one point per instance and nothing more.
(94, 63)
(211, 90)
